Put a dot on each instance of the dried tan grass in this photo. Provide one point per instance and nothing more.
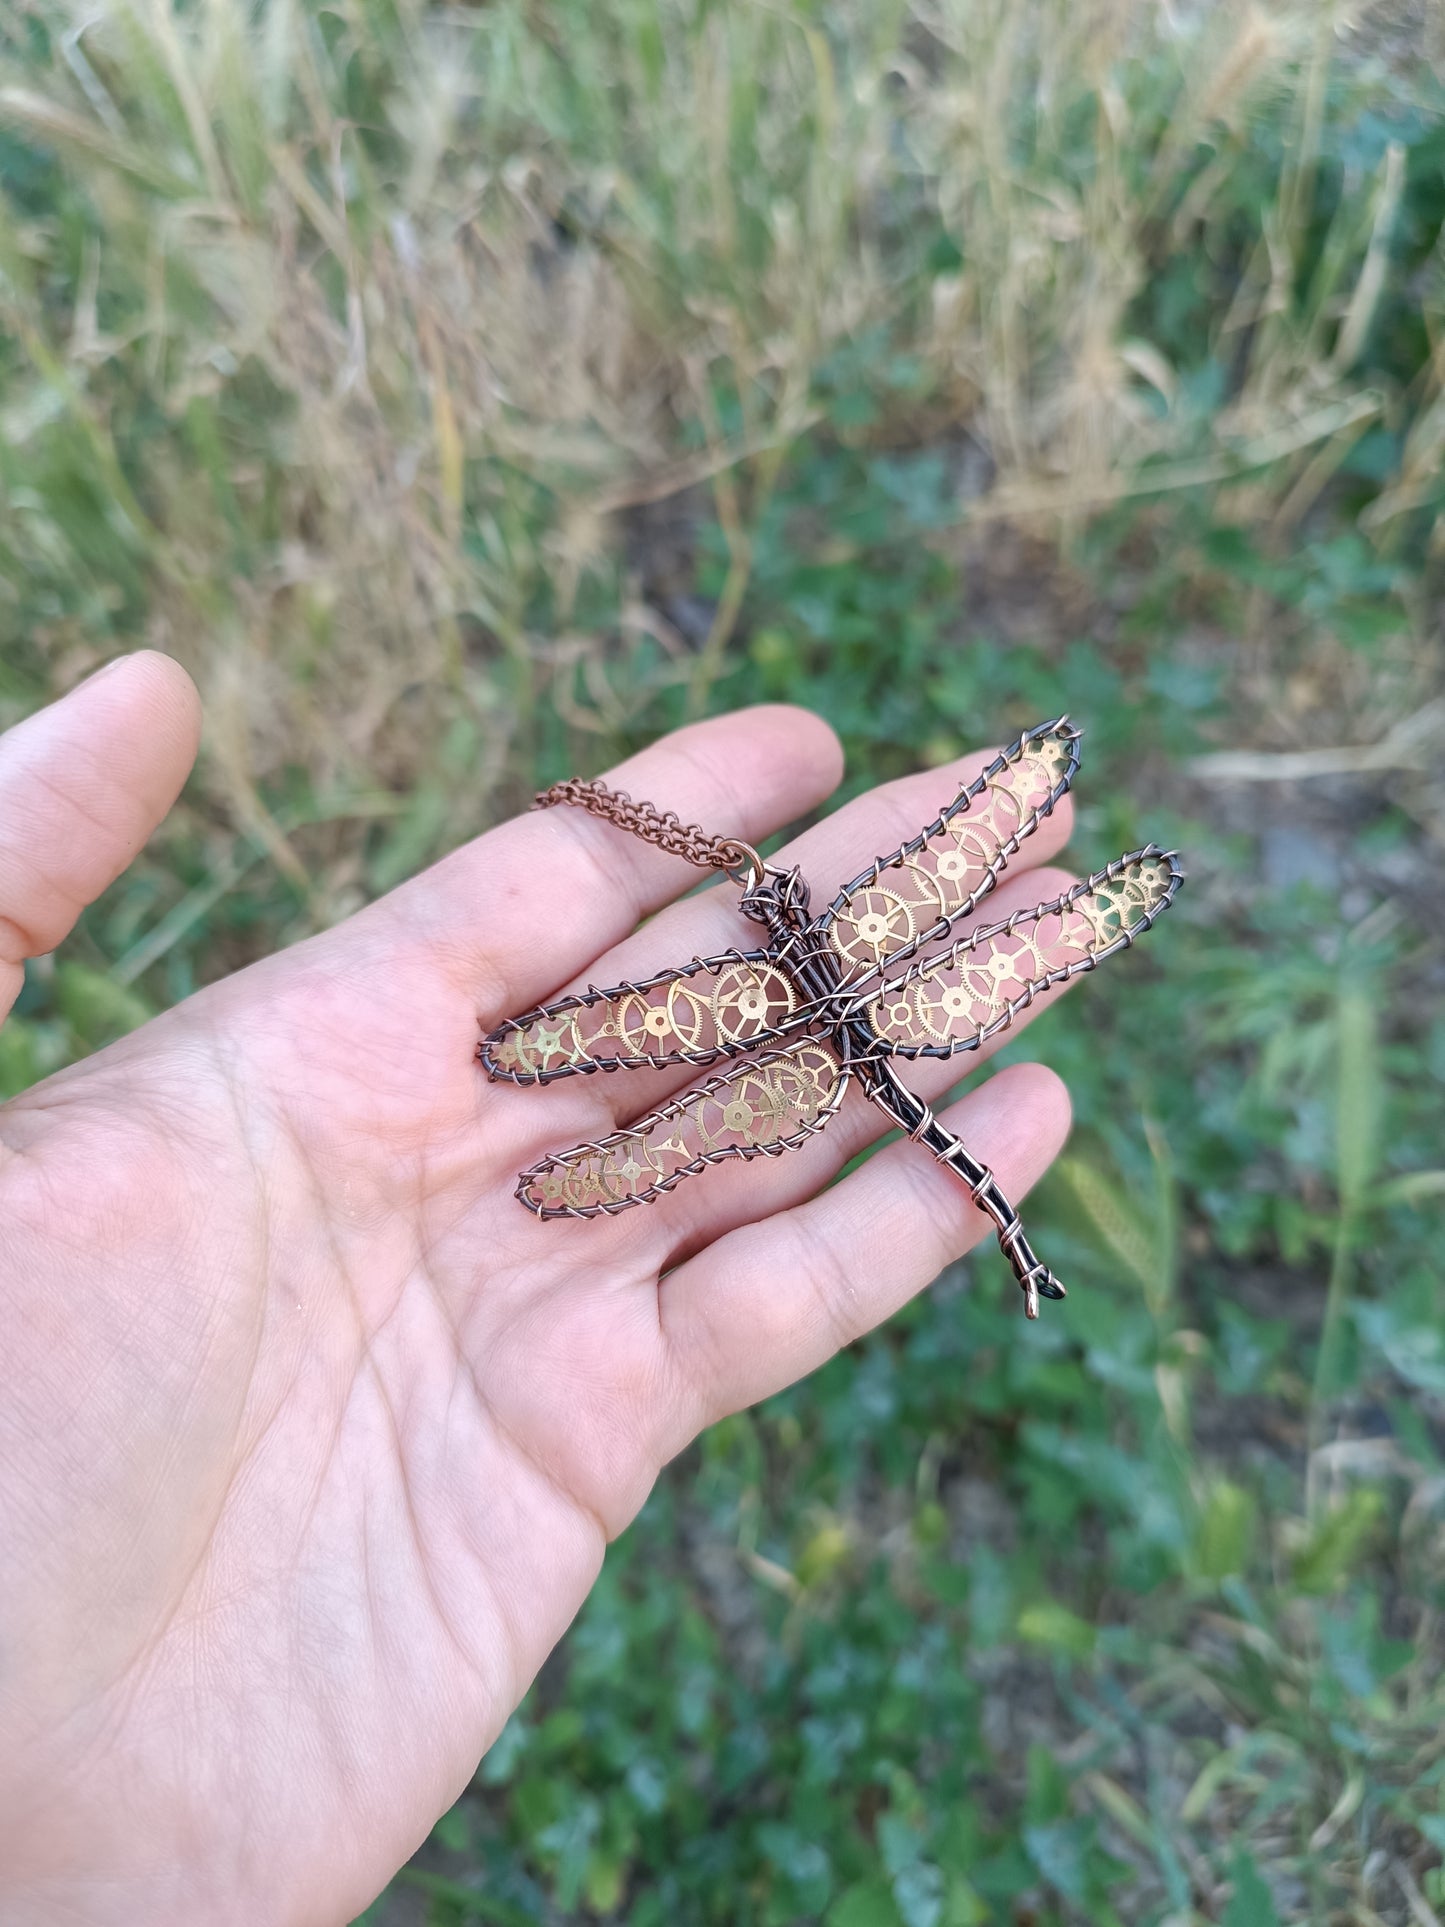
(569, 244)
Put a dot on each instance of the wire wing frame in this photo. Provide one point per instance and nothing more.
(771, 1104)
(915, 894)
(976, 988)
(710, 1009)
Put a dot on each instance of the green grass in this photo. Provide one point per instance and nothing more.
(466, 396)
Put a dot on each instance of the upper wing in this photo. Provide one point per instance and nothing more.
(713, 1007)
(910, 898)
(978, 985)
(758, 1109)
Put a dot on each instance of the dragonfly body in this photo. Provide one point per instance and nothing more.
(820, 1007)
(781, 900)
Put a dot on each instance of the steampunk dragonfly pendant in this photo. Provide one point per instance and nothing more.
(846, 997)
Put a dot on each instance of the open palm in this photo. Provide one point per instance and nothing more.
(311, 1439)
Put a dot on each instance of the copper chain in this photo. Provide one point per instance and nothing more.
(662, 827)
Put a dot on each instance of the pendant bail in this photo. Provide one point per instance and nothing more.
(742, 863)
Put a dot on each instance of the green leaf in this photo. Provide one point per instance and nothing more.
(96, 1007)
(1364, 625)
(1415, 1351)
(1058, 1850)
(1340, 1541)
(868, 1904)
(602, 1886)
(1047, 1796)
(964, 1906)
(900, 1842)
(24, 1056)
(918, 1891)
(1250, 1903)
(454, 1829)
(803, 1863)
(1412, 1187)
(1125, 1232)
(1358, 1097)
(1225, 1536)
(1049, 1624)
(826, 1549)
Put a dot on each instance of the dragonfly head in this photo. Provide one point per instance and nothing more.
(778, 898)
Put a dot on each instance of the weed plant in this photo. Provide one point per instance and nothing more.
(467, 393)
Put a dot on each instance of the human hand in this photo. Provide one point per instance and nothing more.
(311, 1439)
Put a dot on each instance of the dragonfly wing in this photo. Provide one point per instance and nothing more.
(977, 987)
(712, 1008)
(759, 1109)
(910, 897)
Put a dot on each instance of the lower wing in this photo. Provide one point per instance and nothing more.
(712, 1008)
(976, 987)
(760, 1109)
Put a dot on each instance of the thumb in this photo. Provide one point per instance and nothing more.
(82, 785)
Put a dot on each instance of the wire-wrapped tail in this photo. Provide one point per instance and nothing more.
(909, 1111)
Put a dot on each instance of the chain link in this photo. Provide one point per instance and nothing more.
(662, 827)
